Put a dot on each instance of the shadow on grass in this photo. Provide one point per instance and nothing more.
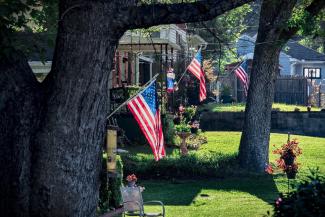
(180, 193)
(178, 180)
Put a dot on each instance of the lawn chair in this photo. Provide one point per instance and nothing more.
(133, 203)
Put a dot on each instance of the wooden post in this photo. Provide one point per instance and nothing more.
(111, 145)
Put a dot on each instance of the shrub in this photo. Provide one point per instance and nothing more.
(185, 128)
(103, 190)
(307, 200)
(226, 95)
(169, 129)
(115, 183)
(109, 192)
(194, 165)
(189, 113)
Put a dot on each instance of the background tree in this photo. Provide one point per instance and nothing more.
(51, 132)
(279, 21)
(222, 34)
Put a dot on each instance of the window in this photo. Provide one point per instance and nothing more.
(312, 73)
(155, 35)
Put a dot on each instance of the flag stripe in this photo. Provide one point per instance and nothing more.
(243, 77)
(148, 133)
(151, 128)
(195, 67)
(145, 110)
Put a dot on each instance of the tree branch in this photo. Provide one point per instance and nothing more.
(150, 15)
(314, 9)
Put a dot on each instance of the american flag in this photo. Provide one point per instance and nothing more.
(196, 69)
(145, 109)
(241, 73)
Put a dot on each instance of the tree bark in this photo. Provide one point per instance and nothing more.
(67, 155)
(254, 144)
(19, 108)
(273, 34)
(57, 127)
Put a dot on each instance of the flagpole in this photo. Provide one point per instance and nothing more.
(128, 100)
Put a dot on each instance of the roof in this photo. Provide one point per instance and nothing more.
(294, 49)
(300, 52)
(138, 43)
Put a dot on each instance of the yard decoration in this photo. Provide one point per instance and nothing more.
(288, 155)
(183, 131)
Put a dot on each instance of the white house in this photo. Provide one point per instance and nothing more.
(139, 57)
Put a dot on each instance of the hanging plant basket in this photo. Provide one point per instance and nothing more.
(289, 160)
(291, 174)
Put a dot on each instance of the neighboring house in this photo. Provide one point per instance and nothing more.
(152, 55)
(301, 70)
(295, 59)
(138, 58)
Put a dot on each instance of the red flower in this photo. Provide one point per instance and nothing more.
(290, 150)
(131, 178)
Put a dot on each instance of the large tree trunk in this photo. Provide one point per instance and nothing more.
(66, 159)
(254, 144)
(52, 134)
(19, 108)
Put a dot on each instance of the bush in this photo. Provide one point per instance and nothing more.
(189, 113)
(190, 166)
(169, 129)
(226, 96)
(307, 200)
(114, 185)
(109, 192)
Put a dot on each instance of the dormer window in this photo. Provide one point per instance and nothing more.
(312, 73)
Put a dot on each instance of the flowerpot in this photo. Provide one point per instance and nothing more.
(183, 147)
(291, 174)
(131, 184)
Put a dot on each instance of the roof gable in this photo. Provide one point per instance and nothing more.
(292, 49)
(300, 52)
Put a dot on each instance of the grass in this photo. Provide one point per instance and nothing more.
(229, 196)
(238, 107)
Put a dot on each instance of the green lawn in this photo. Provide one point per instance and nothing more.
(237, 107)
(233, 196)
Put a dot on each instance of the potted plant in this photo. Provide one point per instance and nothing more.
(132, 179)
(183, 131)
(287, 161)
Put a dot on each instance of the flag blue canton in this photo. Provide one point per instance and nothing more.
(149, 95)
(244, 65)
(199, 57)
